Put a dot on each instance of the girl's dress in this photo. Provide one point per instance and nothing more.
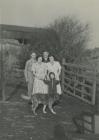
(52, 86)
(39, 71)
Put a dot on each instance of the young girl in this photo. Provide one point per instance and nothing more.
(52, 91)
(52, 85)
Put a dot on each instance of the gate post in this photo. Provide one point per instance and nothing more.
(97, 100)
(94, 90)
(97, 92)
(63, 62)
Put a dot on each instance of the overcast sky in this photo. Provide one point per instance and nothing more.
(40, 13)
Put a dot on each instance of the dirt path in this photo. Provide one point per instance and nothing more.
(17, 121)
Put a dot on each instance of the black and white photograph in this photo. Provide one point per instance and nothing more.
(49, 70)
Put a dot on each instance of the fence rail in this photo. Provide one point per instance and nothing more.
(79, 81)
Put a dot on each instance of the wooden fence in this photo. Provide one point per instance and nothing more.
(79, 81)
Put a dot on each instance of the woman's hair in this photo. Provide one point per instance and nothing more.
(53, 57)
(51, 73)
(39, 56)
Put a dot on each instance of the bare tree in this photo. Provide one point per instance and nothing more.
(73, 37)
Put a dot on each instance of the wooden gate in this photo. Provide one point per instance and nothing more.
(79, 81)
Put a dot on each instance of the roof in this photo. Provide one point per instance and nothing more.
(15, 32)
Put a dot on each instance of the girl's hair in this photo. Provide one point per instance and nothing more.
(51, 73)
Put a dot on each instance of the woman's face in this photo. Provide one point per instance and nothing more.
(51, 58)
(39, 59)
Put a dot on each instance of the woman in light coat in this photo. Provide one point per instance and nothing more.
(55, 67)
(39, 72)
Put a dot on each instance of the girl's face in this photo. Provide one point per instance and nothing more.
(51, 58)
(39, 59)
(52, 76)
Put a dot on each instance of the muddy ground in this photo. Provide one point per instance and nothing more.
(17, 121)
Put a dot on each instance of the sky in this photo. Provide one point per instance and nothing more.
(40, 13)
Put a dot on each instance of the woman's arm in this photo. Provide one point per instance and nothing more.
(59, 68)
(57, 82)
(46, 82)
(26, 71)
(33, 69)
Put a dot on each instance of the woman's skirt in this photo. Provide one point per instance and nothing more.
(39, 87)
(59, 90)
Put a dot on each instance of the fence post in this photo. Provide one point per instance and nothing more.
(94, 93)
(97, 100)
(63, 62)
